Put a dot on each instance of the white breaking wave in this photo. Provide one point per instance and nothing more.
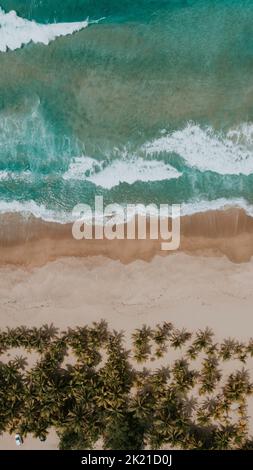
(221, 204)
(29, 208)
(230, 154)
(39, 211)
(16, 31)
(119, 171)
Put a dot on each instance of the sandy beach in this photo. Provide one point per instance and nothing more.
(131, 111)
(190, 291)
(30, 242)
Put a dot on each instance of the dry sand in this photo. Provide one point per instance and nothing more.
(191, 291)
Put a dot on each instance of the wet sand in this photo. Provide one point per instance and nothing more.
(32, 242)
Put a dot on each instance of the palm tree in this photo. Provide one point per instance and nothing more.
(183, 378)
(208, 410)
(11, 394)
(240, 351)
(160, 336)
(238, 385)
(49, 332)
(162, 332)
(124, 432)
(98, 334)
(212, 350)
(189, 406)
(169, 422)
(20, 362)
(227, 349)
(114, 402)
(192, 352)
(141, 340)
(160, 376)
(249, 347)
(179, 338)
(210, 375)
(141, 377)
(141, 405)
(223, 438)
(203, 340)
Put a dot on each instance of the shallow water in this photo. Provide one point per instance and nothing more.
(152, 104)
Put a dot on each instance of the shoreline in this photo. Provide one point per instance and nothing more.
(28, 241)
(191, 292)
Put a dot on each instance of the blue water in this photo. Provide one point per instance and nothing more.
(167, 80)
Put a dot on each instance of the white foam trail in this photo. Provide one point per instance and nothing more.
(4, 175)
(208, 151)
(39, 211)
(28, 208)
(190, 208)
(119, 171)
(11, 175)
(16, 31)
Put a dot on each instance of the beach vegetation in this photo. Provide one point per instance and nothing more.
(171, 388)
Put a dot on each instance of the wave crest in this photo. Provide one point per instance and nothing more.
(206, 150)
(109, 175)
(16, 31)
(40, 211)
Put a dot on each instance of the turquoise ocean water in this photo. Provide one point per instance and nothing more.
(153, 103)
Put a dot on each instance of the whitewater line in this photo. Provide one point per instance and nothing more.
(16, 32)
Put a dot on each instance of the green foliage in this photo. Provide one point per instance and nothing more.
(160, 336)
(141, 339)
(104, 396)
(124, 432)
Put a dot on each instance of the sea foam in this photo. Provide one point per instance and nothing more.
(16, 31)
(11, 175)
(40, 211)
(109, 175)
(230, 153)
